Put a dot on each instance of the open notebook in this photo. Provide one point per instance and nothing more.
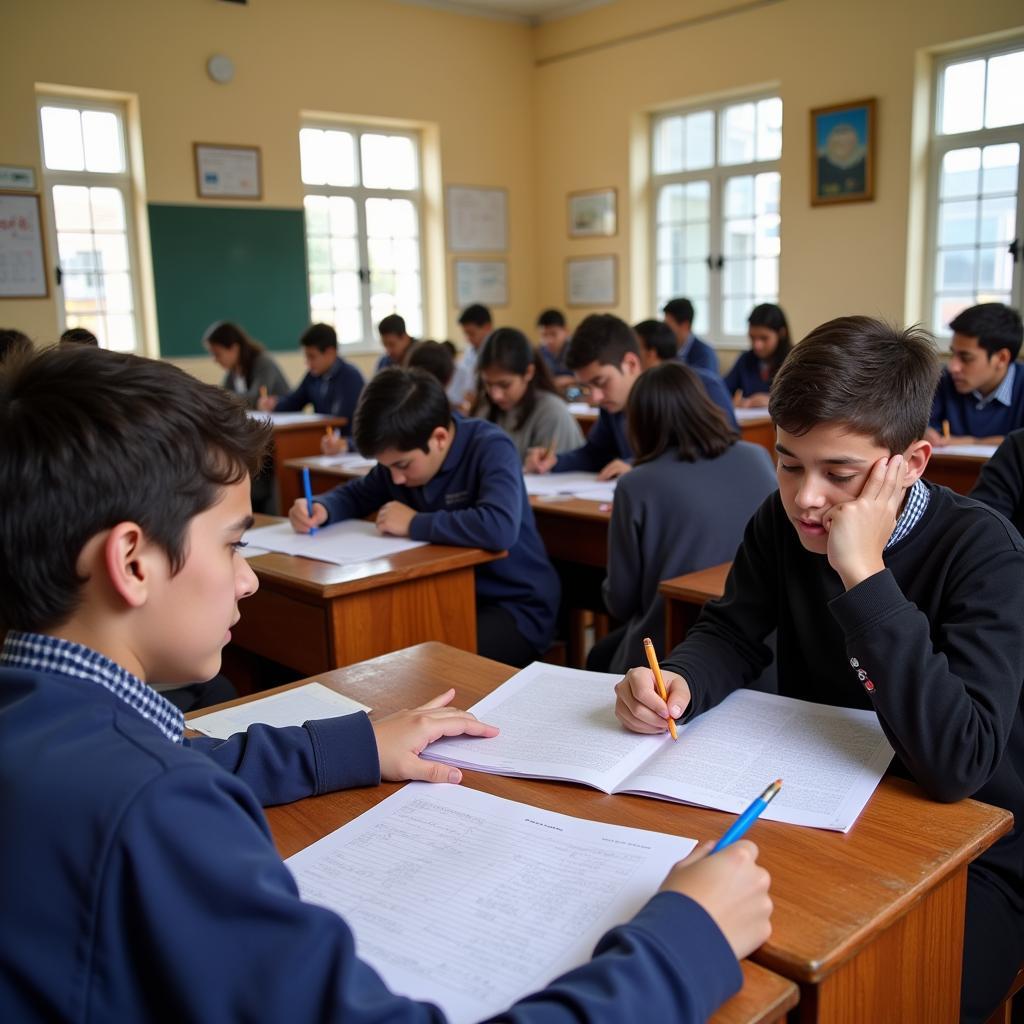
(559, 723)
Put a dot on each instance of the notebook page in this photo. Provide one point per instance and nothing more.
(565, 484)
(967, 451)
(505, 897)
(345, 543)
(830, 760)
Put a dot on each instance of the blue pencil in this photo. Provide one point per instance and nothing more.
(748, 817)
(309, 496)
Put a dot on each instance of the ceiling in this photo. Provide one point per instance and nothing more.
(529, 11)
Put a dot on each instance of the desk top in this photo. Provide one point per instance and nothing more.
(979, 453)
(288, 421)
(697, 587)
(833, 893)
(571, 508)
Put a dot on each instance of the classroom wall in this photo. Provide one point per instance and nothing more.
(470, 80)
(593, 99)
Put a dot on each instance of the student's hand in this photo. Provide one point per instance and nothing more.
(301, 520)
(934, 438)
(614, 469)
(638, 705)
(394, 518)
(333, 444)
(755, 401)
(402, 737)
(539, 461)
(266, 403)
(732, 888)
(858, 530)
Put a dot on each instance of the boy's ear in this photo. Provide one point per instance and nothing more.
(916, 457)
(442, 436)
(631, 364)
(127, 558)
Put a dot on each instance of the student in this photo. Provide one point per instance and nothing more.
(333, 386)
(888, 593)
(981, 393)
(476, 324)
(436, 357)
(693, 488)
(13, 342)
(658, 345)
(1001, 481)
(554, 341)
(752, 374)
(692, 351)
(249, 370)
(519, 396)
(395, 340)
(79, 336)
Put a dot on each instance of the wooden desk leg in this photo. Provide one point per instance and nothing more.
(910, 973)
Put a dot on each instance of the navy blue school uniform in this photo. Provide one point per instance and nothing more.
(385, 362)
(698, 354)
(556, 364)
(139, 880)
(334, 393)
(477, 499)
(749, 375)
(972, 415)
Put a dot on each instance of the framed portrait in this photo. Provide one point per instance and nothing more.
(227, 172)
(591, 281)
(592, 213)
(843, 153)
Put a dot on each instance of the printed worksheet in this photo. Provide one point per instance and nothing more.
(345, 543)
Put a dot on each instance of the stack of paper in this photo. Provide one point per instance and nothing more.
(351, 462)
(569, 485)
(750, 415)
(343, 543)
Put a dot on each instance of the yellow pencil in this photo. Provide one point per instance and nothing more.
(550, 450)
(945, 429)
(263, 391)
(652, 660)
(737, 396)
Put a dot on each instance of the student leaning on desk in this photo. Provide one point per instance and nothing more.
(887, 593)
(138, 877)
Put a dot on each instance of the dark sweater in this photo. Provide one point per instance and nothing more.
(937, 636)
(1001, 483)
(966, 419)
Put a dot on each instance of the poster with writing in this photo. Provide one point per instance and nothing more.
(22, 259)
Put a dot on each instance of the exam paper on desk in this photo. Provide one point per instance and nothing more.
(345, 543)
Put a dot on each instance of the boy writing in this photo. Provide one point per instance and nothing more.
(887, 593)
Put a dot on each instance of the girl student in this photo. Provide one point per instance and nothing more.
(249, 370)
(751, 376)
(683, 507)
(517, 393)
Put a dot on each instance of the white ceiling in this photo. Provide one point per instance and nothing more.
(529, 11)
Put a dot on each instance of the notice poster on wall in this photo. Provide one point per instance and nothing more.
(227, 172)
(483, 281)
(477, 219)
(22, 258)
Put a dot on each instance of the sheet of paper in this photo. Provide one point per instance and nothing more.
(346, 543)
(603, 492)
(285, 419)
(967, 451)
(353, 462)
(584, 409)
(830, 760)
(470, 901)
(750, 415)
(250, 552)
(556, 723)
(293, 707)
(569, 485)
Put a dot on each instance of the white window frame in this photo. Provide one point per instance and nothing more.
(718, 174)
(939, 146)
(121, 180)
(370, 345)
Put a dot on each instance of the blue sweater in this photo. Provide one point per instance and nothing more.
(967, 420)
(139, 882)
(336, 393)
(698, 354)
(477, 499)
(746, 376)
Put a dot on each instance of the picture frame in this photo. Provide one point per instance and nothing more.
(483, 281)
(23, 269)
(591, 281)
(225, 171)
(843, 153)
(477, 218)
(593, 213)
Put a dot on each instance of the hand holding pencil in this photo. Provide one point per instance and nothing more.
(641, 708)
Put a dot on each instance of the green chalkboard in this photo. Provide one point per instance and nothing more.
(225, 263)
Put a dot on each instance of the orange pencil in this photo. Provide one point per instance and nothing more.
(652, 660)
(737, 396)
(550, 450)
(945, 429)
(263, 391)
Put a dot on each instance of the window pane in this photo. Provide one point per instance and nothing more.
(382, 255)
(349, 324)
(998, 219)
(407, 256)
(766, 279)
(102, 141)
(71, 208)
(963, 87)
(344, 254)
(321, 295)
(107, 209)
(318, 254)
(738, 277)
(698, 200)
(120, 332)
(995, 269)
(77, 252)
(339, 155)
(1004, 91)
(82, 293)
(389, 161)
(1000, 168)
(346, 290)
(312, 156)
(959, 175)
(734, 316)
(769, 129)
(117, 293)
(62, 139)
(738, 237)
(696, 241)
(766, 193)
(700, 140)
(317, 218)
(91, 322)
(670, 243)
(669, 145)
(670, 204)
(766, 235)
(946, 308)
(739, 196)
(956, 269)
(113, 252)
(343, 216)
(958, 223)
(738, 134)
(391, 218)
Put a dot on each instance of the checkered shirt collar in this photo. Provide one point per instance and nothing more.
(913, 508)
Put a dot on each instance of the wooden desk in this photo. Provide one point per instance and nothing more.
(686, 595)
(958, 472)
(868, 924)
(292, 440)
(756, 427)
(312, 616)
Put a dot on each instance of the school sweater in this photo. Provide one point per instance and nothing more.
(1001, 481)
(334, 393)
(697, 353)
(550, 420)
(748, 375)
(265, 374)
(556, 364)
(969, 418)
(476, 499)
(139, 882)
(671, 517)
(933, 644)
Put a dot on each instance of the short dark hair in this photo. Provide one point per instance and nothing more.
(400, 409)
(319, 336)
(869, 376)
(142, 441)
(511, 350)
(600, 338)
(769, 315)
(13, 342)
(79, 336)
(393, 324)
(681, 310)
(994, 325)
(669, 409)
(657, 336)
(551, 318)
(436, 357)
(479, 316)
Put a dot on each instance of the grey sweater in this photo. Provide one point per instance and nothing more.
(672, 517)
(265, 373)
(550, 419)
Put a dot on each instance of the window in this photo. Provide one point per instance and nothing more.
(716, 211)
(976, 224)
(363, 232)
(88, 183)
